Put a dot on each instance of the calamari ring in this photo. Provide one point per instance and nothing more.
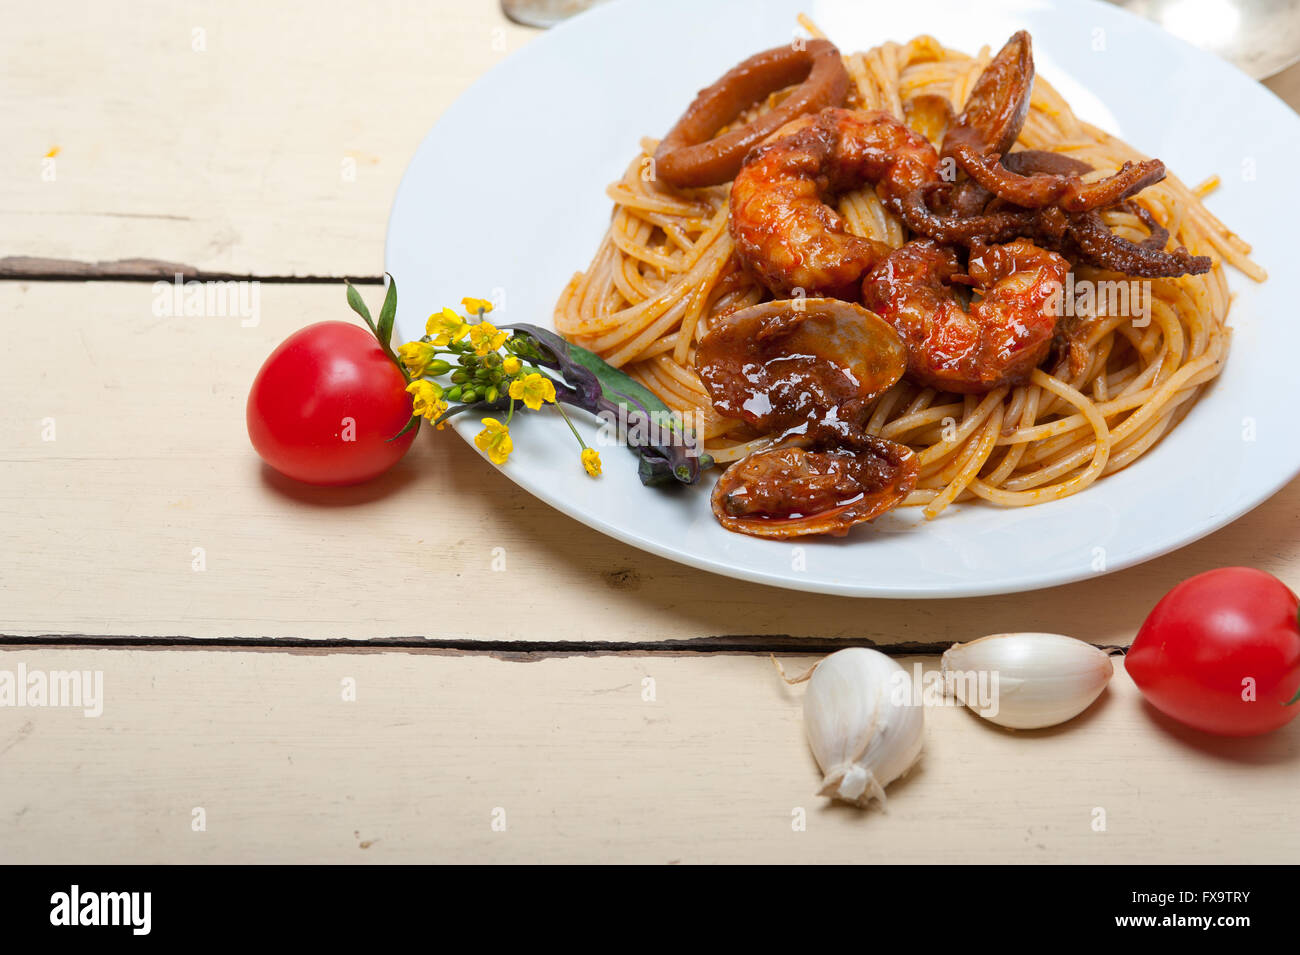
(687, 157)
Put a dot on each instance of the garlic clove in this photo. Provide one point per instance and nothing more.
(1027, 680)
(864, 723)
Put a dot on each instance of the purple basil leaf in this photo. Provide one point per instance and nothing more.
(599, 388)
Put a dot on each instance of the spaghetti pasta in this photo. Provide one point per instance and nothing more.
(666, 270)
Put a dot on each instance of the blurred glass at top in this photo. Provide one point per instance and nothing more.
(544, 13)
(1259, 36)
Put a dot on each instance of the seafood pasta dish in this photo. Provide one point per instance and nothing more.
(904, 277)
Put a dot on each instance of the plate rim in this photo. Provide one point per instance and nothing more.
(946, 589)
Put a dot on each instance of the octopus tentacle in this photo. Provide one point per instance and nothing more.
(1030, 161)
(998, 104)
(1032, 191)
(1158, 235)
(962, 229)
(1091, 241)
(1131, 179)
(1048, 185)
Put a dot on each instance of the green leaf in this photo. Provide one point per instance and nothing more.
(615, 383)
(383, 332)
(387, 314)
(1295, 699)
(619, 386)
(359, 306)
(591, 384)
(414, 422)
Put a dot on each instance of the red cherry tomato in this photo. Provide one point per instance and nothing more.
(1221, 653)
(324, 405)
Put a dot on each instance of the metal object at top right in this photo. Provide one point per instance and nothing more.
(1262, 37)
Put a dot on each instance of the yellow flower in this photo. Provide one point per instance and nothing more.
(533, 390)
(445, 327)
(473, 305)
(426, 398)
(494, 441)
(511, 365)
(485, 338)
(416, 356)
(591, 461)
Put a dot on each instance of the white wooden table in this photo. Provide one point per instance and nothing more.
(600, 704)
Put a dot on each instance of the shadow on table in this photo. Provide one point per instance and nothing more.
(402, 475)
(673, 599)
(1280, 746)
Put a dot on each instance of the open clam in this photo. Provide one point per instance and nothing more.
(786, 362)
(795, 492)
(810, 369)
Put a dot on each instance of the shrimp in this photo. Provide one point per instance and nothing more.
(790, 238)
(1003, 336)
(788, 235)
(785, 232)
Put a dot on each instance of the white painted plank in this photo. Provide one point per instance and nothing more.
(584, 768)
(151, 459)
(240, 137)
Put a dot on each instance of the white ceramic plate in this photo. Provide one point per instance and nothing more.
(505, 198)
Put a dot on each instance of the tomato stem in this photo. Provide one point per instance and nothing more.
(383, 330)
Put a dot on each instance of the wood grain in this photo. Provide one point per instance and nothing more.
(714, 769)
(274, 151)
(150, 459)
(1287, 85)
(235, 138)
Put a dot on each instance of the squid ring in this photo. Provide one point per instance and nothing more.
(687, 157)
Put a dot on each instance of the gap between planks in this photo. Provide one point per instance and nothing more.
(519, 651)
(25, 268)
